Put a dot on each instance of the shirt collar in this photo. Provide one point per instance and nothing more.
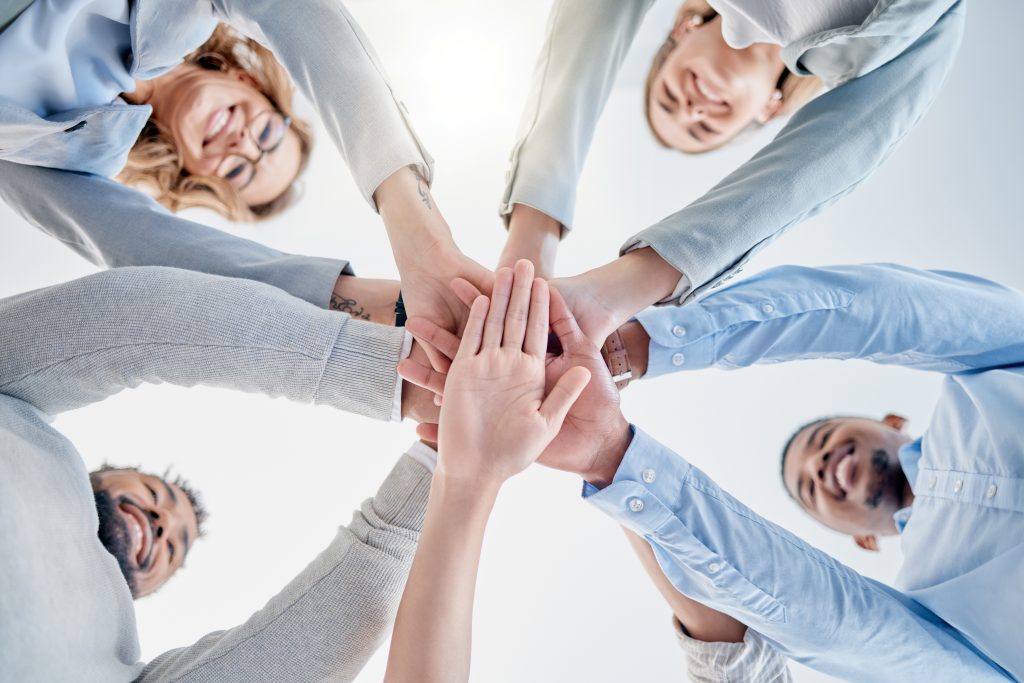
(909, 455)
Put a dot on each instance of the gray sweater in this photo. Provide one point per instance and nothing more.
(66, 613)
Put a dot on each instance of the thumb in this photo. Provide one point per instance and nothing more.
(565, 327)
(466, 291)
(427, 431)
(561, 397)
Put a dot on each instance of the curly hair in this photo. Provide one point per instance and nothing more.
(193, 496)
(796, 90)
(154, 161)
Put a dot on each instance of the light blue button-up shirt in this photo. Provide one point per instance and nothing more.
(956, 614)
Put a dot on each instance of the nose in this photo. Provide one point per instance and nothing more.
(820, 465)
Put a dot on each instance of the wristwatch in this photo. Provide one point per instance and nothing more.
(614, 352)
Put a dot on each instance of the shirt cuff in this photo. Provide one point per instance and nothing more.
(682, 287)
(396, 402)
(424, 455)
(753, 659)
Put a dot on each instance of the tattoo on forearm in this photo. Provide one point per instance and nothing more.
(349, 306)
(421, 187)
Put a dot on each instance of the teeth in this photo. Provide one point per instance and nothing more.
(843, 473)
(221, 121)
(709, 95)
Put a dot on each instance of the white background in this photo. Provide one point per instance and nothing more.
(559, 597)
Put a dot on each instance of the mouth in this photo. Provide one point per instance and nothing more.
(218, 124)
(842, 470)
(139, 531)
(707, 90)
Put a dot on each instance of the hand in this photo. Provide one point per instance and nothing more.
(496, 420)
(418, 403)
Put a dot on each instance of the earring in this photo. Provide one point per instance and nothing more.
(777, 96)
(696, 20)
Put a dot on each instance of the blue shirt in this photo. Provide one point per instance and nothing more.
(956, 614)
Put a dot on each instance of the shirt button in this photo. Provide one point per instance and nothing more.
(636, 505)
(648, 476)
(678, 359)
(714, 567)
(958, 485)
(679, 330)
(767, 308)
(992, 491)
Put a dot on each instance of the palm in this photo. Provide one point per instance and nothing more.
(594, 316)
(427, 292)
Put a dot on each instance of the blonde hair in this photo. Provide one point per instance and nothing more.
(154, 161)
(796, 90)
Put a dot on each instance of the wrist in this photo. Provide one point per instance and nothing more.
(411, 217)
(532, 235)
(481, 488)
(641, 278)
(609, 456)
(365, 299)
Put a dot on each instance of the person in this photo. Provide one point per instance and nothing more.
(481, 444)
(955, 488)
(65, 130)
(66, 610)
(147, 522)
(883, 63)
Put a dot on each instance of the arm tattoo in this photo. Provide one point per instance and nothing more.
(420, 187)
(348, 306)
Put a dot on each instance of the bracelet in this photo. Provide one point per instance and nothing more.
(400, 315)
(614, 352)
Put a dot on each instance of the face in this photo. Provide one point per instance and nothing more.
(212, 115)
(706, 92)
(845, 473)
(146, 523)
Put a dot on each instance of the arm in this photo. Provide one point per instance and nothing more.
(717, 647)
(114, 226)
(97, 335)
(929, 320)
(328, 621)
(810, 607)
(481, 445)
(826, 150)
(587, 41)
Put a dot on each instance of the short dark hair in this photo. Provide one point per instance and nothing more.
(789, 442)
(194, 497)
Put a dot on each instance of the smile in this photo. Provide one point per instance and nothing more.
(706, 91)
(842, 470)
(217, 124)
(140, 532)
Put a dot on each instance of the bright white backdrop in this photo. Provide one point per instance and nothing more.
(559, 596)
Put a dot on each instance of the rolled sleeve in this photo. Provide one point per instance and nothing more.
(753, 660)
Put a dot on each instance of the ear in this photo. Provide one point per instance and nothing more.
(770, 109)
(685, 23)
(895, 421)
(867, 542)
(244, 76)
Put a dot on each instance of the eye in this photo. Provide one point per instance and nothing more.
(265, 135)
(706, 128)
(825, 437)
(152, 491)
(235, 172)
(170, 551)
(810, 491)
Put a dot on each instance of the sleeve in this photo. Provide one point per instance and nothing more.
(78, 342)
(752, 661)
(114, 226)
(333, 64)
(327, 622)
(825, 151)
(810, 607)
(928, 320)
(586, 43)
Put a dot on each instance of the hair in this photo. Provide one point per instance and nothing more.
(154, 161)
(194, 497)
(796, 90)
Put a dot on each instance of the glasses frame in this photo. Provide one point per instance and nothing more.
(286, 120)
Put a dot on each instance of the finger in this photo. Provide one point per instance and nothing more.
(434, 335)
(422, 376)
(495, 326)
(438, 360)
(537, 326)
(438, 400)
(569, 387)
(565, 327)
(427, 431)
(474, 332)
(466, 291)
(518, 306)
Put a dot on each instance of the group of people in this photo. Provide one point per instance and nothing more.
(114, 115)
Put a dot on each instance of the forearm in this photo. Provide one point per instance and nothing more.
(365, 298)
(115, 226)
(701, 622)
(413, 221)
(350, 591)
(97, 335)
(534, 236)
(433, 631)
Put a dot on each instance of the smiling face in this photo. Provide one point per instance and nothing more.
(705, 92)
(211, 115)
(845, 472)
(146, 523)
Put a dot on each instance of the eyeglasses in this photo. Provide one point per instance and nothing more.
(267, 130)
